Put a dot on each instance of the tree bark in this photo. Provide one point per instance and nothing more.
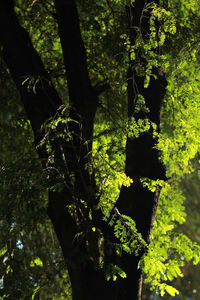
(41, 102)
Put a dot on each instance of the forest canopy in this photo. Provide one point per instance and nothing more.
(99, 152)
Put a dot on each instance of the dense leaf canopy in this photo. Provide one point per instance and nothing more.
(32, 265)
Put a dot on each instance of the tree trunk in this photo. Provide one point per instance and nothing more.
(42, 103)
(142, 159)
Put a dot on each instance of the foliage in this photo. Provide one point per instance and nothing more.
(31, 261)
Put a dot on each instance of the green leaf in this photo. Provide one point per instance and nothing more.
(36, 262)
(35, 291)
(3, 251)
(171, 290)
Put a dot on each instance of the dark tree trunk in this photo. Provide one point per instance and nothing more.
(142, 159)
(41, 102)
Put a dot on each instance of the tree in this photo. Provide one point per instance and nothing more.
(102, 236)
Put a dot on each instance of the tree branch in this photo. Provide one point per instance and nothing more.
(80, 90)
(41, 102)
(38, 95)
